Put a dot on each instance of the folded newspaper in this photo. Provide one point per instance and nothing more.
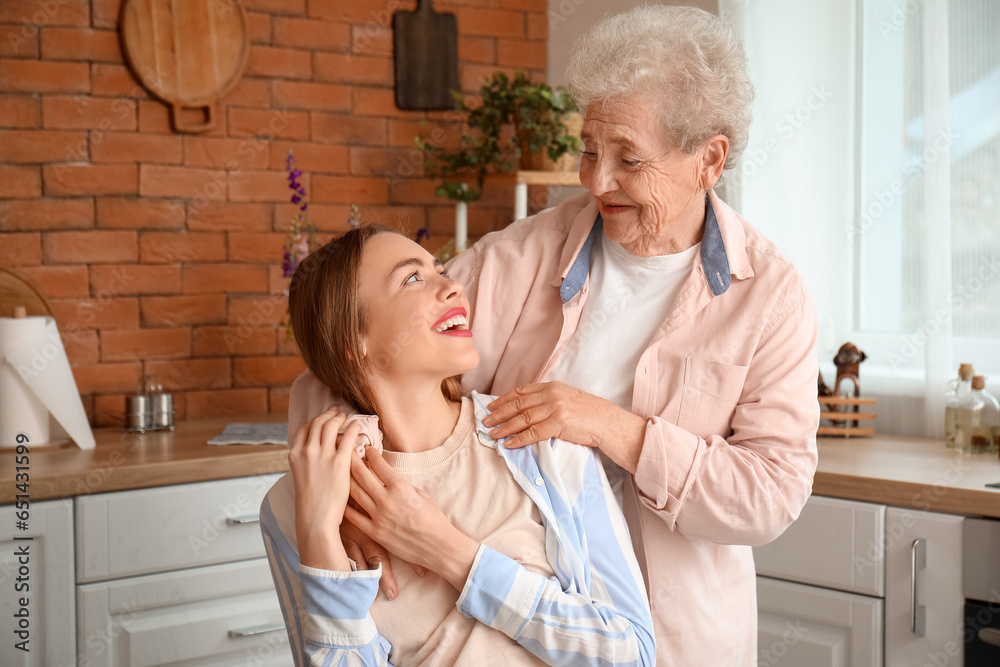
(252, 434)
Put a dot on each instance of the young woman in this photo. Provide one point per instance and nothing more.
(516, 554)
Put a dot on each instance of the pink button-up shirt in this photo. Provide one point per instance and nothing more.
(727, 386)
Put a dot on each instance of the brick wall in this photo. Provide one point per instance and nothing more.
(161, 252)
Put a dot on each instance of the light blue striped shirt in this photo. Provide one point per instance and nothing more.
(593, 611)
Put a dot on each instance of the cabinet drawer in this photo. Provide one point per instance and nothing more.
(184, 618)
(169, 528)
(834, 543)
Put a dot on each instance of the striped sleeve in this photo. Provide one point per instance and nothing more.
(604, 621)
(325, 612)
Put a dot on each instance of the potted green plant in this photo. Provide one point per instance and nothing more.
(534, 114)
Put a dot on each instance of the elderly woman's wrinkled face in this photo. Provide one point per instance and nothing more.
(649, 193)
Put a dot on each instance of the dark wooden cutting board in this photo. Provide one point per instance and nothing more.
(426, 55)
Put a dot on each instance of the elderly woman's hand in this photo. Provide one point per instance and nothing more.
(539, 411)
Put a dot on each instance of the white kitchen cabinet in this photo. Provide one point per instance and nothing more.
(809, 626)
(49, 578)
(176, 575)
(923, 552)
(219, 615)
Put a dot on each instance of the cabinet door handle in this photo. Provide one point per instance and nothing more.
(990, 636)
(918, 613)
(256, 630)
(240, 520)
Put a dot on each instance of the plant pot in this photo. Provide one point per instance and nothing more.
(540, 160)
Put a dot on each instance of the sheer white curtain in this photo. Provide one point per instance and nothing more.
(874, 162)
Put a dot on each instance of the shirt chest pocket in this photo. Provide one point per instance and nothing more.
(709, 396)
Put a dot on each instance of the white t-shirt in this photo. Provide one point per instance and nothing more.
(629, 298)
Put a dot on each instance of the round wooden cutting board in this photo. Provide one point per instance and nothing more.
(189, 53)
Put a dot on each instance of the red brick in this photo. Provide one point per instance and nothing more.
(268, 124)
(89, 247)
(154, 116)
(105, 13)
(20, 111)
(135, 279)
(310, 158)
(21, 249)
(262, 371)
(262, 186)
(286, 344)
(253, 247)
(85, 179)
(233, 341)
(405, 218)
(184, 182)
(35, 13)
(402, 133)
(342, 68)
(191, 373)
(139, 213)
(109, 409)
(306, 95)
(277, 283)
(311, 34)
(416, 191)
(172, 311)
(18, 41)
(229, 278)
(226, 403)
(231, 154)
(20, 182)
(130, 147)
(26, 146)
(277, 6)
(82, 347)
(35, 76)
(60, 281)
(399, 163)
(380, 102)
(259, 26)
(355, 11)
(113, 80)
(46, 213)
(471, 76)
(490, 22)
(167, 247)
(346, 190)
(339, 129)
(477, 50)
(371, 39)
(323, 217)
(143, 344)
(63, 112)
(280, 63)
(250, 92)
(107, 378)
(223, 216)
(255, 311)
(277, 399)
(538, 26)
(104, 313)
(81, 44)
(520, 53)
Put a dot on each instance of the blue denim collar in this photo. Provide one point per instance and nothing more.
(714, 260)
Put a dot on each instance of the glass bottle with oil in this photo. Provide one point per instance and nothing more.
(976, 418)
(958, 389)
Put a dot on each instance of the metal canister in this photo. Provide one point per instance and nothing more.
(138, 413)
(163, 411)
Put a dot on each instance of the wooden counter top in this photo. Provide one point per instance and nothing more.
(131, 461)
(908, 472)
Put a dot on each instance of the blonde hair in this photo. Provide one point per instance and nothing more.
(688, 60)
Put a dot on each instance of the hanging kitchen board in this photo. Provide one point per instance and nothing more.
(188, 53)
(426, 54)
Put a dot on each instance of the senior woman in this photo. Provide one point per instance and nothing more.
(648, 319)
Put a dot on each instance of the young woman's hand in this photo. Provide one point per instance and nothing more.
(405, 520)
(320, 461)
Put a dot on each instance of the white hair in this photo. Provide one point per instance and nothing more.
(689, 60)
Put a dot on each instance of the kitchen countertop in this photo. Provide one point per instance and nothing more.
(132, 461)
(894, 470)
(908, 472)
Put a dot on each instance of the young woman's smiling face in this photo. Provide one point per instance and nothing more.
(417, 316)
